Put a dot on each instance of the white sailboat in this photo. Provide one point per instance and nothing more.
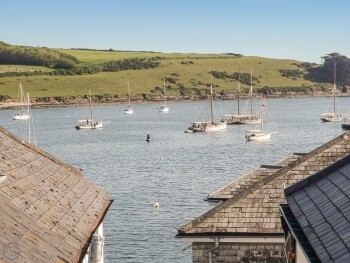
(332, 116)
(259, 134)
(233, 118)
(208, 125)
(252, 118)
(164, 108)
(240, 118)
(23, 113)
(89, 123)
(129, 109)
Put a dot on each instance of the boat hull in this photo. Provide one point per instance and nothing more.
(346, 123)
(216, 127)
(331, 117)
(242, 119)
(163, 109)
(346, 126)
(21, 117)
(89, 126)
(258, 136)
(128, 111)
(207, 126)
(252, 121)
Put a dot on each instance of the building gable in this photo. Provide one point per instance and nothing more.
(48, 208)
(255, 209)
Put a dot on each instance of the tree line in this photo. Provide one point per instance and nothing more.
(18, 55)
(63, 64)
(340, 64)
(242, 77)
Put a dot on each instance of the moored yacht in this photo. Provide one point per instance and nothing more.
(332, 116)
(89, 123)
(208, 125)
(261, 134)
(164, 108)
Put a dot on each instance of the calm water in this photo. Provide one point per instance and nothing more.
(177, 169)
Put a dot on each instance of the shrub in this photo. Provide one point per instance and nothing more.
(291, 73)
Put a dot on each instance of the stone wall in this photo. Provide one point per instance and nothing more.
(239, 253)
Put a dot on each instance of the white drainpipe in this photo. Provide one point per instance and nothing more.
(97, 243)
(216, 240)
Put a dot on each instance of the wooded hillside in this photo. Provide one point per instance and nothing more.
(46, 73)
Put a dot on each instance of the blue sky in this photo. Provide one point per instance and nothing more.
(296, 29)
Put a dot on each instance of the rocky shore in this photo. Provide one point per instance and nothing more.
(77, 101)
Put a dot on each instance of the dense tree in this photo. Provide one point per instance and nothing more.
(33, 56)
(242, 77)
(342, 68)
(291, 73)
(127, 64)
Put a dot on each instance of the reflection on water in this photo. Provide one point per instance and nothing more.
(176, 169)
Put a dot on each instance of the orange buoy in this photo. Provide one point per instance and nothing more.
(156, 204)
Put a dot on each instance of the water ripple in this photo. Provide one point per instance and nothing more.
(176, 169)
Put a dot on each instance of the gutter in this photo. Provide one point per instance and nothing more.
(88, 241)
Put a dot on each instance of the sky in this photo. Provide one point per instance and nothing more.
(296, 29)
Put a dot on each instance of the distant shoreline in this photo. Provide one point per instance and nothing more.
(54, 104)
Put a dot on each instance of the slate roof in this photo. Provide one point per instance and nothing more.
(321, 206)
(251, 177)
(297, 231)
(255, 209)
(47, 207)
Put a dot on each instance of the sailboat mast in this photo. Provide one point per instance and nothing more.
(164, 93)
(129, 92)
(334, 87)
(251, 92)
(22, 96)
(262, 114)
(29, 120)
(211, 98)
(238, 88)
(90, 106)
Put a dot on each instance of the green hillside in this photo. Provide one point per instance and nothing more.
(186, 74)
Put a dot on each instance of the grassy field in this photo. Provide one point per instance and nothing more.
(144, 81)
(20, 68)
(92, 56)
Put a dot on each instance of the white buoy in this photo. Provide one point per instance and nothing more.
(156, 204)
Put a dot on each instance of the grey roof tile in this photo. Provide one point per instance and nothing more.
(252, 177)
(262, 198)
(325, 220)
(343, 258)
(49, 208)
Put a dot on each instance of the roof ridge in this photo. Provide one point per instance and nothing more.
(251, 174)
(317, 176)
(256, 186)
(52, 209)
(40, 151)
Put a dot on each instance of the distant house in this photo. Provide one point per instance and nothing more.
(49, 212)
(246, 225)
(316, 218)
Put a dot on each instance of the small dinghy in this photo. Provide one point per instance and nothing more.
(148, 138)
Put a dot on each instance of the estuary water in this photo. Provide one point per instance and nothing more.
(176, 169)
